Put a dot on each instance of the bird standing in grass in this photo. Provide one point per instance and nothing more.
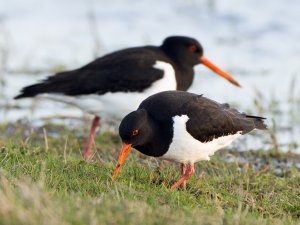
(182, 127)
(115, 84)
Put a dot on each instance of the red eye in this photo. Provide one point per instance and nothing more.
(135, 132)
(192, 48)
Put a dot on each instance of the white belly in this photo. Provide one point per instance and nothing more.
(110, 105)
(185, 148)
(119, 104)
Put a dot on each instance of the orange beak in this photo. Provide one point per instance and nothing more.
(124, 152)
(205, 61)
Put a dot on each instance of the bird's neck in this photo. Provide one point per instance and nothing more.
(184, 77)
(158, 141)
(184, 72)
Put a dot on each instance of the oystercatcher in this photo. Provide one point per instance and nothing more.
(115, 84)
(182, 127)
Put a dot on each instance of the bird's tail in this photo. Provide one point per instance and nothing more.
(258, 122)
(31, 91)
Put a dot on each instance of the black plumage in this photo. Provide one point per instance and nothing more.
(111, 73)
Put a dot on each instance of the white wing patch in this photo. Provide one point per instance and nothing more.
(185, 148)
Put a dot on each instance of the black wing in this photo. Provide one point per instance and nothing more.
(210, 119)
(129, 70)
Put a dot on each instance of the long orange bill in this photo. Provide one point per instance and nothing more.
(124, 152)
(205, 61)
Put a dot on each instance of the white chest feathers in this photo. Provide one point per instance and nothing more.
(185, 148)
(168, 82)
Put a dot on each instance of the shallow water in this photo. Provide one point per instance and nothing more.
(256, 41)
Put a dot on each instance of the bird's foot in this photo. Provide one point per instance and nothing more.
(189, 171)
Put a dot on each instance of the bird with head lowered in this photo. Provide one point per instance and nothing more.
(184, 128)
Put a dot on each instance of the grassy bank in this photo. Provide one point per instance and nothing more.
(45, 181)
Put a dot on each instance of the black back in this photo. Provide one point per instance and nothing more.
(128, 70)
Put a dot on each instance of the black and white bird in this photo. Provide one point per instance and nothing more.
(184, 128)
(115, 84)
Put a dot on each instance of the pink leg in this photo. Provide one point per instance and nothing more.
(87, 150)
(183, 169)
(190, 170)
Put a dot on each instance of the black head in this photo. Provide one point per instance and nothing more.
(135, 128)
(188, 52)
(183, 49)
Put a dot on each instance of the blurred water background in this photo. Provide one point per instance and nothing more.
(256, 41)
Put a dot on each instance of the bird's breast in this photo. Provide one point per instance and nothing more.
(167, 82)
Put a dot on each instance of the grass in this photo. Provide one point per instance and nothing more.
(51, 184)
